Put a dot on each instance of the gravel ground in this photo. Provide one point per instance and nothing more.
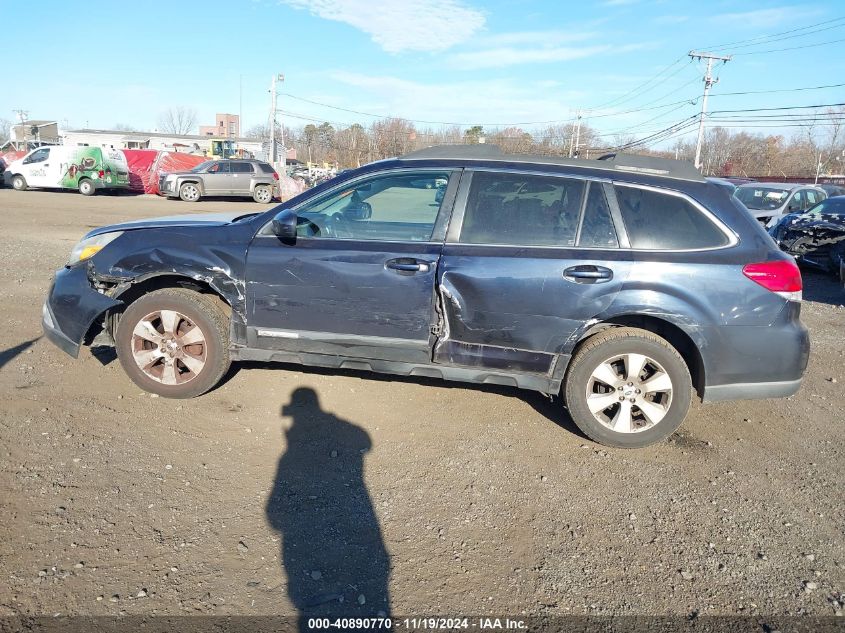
(287, 488)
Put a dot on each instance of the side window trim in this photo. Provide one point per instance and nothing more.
(616, 215)
(444, 216)
(453, 233)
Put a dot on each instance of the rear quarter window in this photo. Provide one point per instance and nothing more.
(661, 221)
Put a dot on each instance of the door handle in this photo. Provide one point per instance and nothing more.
(407, 265)
(588, 274)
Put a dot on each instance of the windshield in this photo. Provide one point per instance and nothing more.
(762, 198)
(831, 205)
(202, 167)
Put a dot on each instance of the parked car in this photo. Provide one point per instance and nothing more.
(240, 178)
(624, 285)
(817, 237)
(833, 190)
(770, 200)
(86, 169)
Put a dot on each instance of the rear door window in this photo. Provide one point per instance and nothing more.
(663, 221)
(241, 168)
(522, 210)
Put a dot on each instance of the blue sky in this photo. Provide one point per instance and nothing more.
(466, 61)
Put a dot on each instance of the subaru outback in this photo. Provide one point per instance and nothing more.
(626, 286)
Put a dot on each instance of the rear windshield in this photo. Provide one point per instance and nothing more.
(762, 198)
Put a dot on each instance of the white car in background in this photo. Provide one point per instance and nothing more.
(767, 201)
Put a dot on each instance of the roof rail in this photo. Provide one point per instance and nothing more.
(632, 163)
(476, 150)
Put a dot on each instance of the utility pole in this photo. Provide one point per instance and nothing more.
(22, 115)
(274, 95)
(708, 83)
(573, 146)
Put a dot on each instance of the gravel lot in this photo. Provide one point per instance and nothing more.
(289, 487)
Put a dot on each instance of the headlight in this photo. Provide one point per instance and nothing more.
(91, 246)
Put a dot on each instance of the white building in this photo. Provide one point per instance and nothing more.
(187, 143)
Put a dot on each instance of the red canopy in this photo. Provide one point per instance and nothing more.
(146, 165)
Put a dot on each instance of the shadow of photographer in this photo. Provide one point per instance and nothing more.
(332, 549)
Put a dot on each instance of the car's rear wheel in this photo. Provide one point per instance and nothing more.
(190, 192)
(628, 388)
(263, 194)
(174, 342)
(19, 183)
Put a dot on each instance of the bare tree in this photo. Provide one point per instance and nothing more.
(178, 120)
(5, 130)
(124, 127)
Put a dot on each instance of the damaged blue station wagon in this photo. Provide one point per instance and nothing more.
(624, 285)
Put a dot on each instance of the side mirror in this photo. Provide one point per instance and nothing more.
(284, 225)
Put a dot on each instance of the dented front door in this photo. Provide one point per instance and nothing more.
(359, 279)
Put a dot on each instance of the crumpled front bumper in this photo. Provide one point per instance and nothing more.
(71, 307)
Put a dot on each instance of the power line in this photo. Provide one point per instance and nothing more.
(804, 107)
(641, 89)
(781, 39)
(761, 92)
(774, 35)
(792, 48)
(382, 116)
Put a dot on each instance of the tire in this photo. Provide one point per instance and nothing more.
(263, 194)
(180, 371)
(19, 183)
(598, 368)
(190, 192)
(86, 187)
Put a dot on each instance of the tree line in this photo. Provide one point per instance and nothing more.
(819, 145)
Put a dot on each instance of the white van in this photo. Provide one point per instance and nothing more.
(86, 169)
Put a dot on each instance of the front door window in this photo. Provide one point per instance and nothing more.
(396, 207)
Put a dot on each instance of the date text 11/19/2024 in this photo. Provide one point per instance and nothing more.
(420, 623)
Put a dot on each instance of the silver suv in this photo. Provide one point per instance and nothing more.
(242, 178)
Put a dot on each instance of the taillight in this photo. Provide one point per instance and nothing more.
(275, 176)
(101, 173)
(780, 276)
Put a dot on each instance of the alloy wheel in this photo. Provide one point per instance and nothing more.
(168, 347)
(629, 393)
(190, 192)
(262, 194)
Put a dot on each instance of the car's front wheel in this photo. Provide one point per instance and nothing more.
(174, 342)
(190, 192)
(627, 388)
(19, 183)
